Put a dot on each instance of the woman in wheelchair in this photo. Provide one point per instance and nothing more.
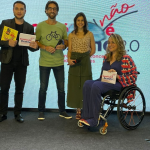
(115, 60)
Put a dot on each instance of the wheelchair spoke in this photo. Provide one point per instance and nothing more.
(126, 114)
(131, 118)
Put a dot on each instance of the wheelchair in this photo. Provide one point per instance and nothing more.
(130, 112)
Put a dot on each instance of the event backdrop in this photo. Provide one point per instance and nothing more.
(129, 18)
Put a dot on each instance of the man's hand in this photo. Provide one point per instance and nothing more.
(50, 49)
(33, 45)
(61, 46)
(12, 43)
(66, 43)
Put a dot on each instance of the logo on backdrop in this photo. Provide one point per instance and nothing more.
(109, 29)
(124, 10)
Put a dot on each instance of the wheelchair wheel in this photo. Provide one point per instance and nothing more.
(131, 108)
(101, 131)
(80, 124)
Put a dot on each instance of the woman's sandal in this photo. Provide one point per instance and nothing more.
(78, 114)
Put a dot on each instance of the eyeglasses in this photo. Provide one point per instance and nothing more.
(50, 9)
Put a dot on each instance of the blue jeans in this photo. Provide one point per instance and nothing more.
(44, 79)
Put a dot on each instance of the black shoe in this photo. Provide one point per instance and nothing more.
(19, 118)
(2, 117)
(41, 116)
(64, 115)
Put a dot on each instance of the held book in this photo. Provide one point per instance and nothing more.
(109, 77)
(25, 39)
(9, 33)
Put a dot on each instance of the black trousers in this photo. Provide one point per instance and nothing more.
(7, 71)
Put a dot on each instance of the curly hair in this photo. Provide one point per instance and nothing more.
(120, 47)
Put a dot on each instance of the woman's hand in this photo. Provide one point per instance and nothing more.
(113, 70)
(70, 62)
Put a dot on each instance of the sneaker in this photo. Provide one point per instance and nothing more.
(41, 116)
(2, 117)
(84, 122)
(65, 115)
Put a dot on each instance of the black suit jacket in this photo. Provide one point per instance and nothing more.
(6, 50)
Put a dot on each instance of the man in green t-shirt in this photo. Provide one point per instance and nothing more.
(49, 34)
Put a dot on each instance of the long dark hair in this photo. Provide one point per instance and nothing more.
(85, 30)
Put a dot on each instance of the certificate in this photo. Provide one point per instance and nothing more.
(109, 77)
(25, 39)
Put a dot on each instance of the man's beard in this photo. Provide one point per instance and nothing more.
(19, 17)
(51, 17)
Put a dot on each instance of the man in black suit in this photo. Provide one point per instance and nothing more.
(14, 60)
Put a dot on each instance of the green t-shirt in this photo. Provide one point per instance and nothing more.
(49, 35)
